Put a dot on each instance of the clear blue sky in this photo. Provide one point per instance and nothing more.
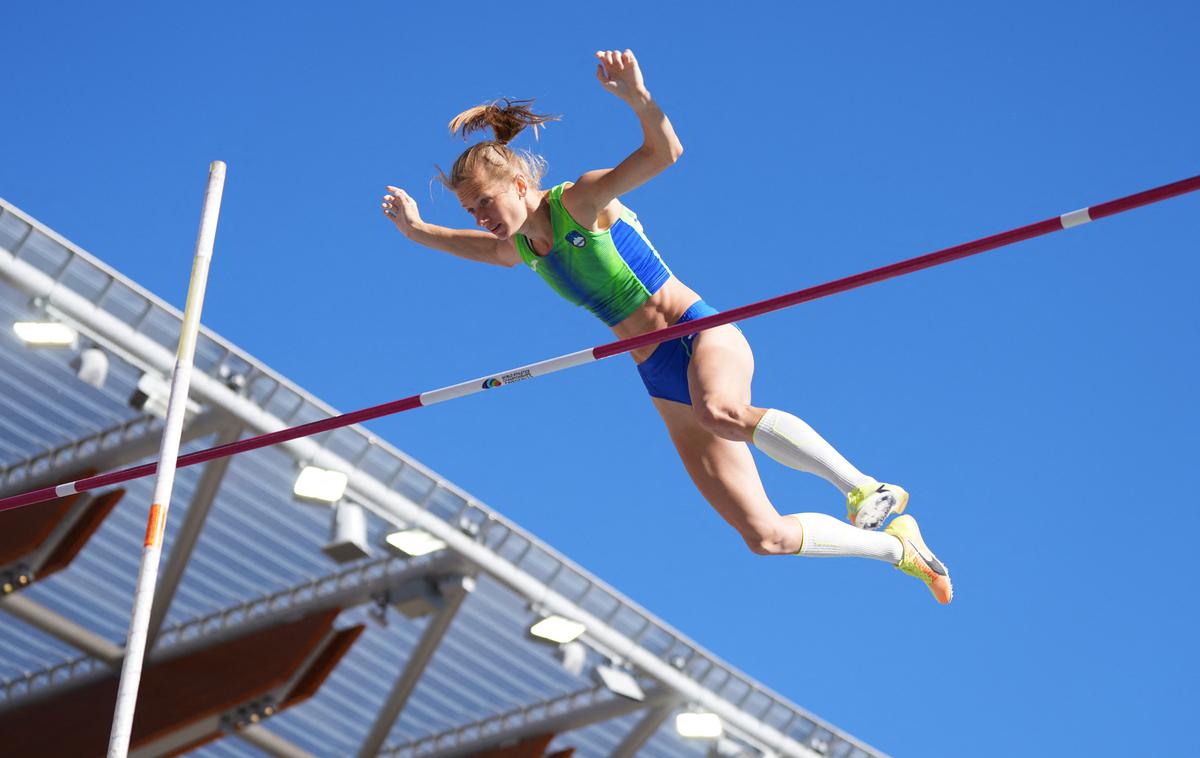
(1039, 402)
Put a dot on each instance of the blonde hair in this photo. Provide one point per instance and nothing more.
(506, 118)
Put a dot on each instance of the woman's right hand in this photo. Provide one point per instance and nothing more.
(401, 209)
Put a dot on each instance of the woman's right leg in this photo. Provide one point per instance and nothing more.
(792, 442)
(724, 473)
(719, 376)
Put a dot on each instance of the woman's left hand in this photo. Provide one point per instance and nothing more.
(620, 74)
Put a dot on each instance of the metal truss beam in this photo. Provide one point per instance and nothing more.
(643, 730)
(178, 740)
(185, 540)
(233, 721)
(345, 589)
(254, 731)
(362, 584)
(117, 446)
(563, 714)
(37, 558)
(271, 743)
(57, 625)
(453, 592)
(187, 735)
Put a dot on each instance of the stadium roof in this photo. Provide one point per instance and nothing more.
(262, 642)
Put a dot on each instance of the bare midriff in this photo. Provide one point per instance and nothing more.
(663, 309)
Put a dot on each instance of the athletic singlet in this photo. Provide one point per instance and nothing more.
(611, 273)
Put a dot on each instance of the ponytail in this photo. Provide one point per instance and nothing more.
(506, 118)
(506, 121)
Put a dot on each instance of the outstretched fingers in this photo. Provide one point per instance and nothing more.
(616, 60)
(618, 71)
(389, 209)
(400, 208)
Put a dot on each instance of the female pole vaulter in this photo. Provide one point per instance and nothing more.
(591, 249)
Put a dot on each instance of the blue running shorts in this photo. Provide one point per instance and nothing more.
(665, 372)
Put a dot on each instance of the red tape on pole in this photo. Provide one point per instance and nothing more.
(901, 268)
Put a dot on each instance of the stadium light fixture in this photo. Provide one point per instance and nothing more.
(45, 333)
(91, 366)
(620, 682)
(152, 393)
(320, 485)
(413, 543)
(347, 533)
(698, 726)
(557, 629)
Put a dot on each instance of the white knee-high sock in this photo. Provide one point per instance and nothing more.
(794, 443)
(827, 537)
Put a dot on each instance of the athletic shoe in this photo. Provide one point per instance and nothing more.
(871, 504)
(919, 560)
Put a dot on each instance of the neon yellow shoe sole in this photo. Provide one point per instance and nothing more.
(919, 560)
(870, 505)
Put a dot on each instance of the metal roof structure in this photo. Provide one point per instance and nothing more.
(409, 656)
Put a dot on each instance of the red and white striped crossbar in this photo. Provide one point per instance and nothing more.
(1065, 221)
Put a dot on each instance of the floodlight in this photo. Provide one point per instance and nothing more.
(698, 726)
(557, 629)
(91, 366)
(413, 543)
(620, 682)
(320, 485)
(347, 533)
(44, 333)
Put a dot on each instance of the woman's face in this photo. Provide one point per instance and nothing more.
(496, 205)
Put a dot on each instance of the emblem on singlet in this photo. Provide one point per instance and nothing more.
(576, 239)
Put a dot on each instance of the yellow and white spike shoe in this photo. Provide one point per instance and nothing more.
(871, 504)
(919, 560)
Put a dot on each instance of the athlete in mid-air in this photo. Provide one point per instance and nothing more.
(592, 250)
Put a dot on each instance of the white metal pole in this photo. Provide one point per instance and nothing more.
(143, 598)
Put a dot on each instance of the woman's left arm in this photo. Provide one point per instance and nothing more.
(620, 74)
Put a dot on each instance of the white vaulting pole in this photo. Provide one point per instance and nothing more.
(143, 596)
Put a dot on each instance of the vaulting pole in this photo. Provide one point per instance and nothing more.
(143, 598)
(1065, 221)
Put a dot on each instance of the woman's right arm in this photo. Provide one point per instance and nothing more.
(472, 244)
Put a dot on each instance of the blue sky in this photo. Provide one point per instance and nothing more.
(1039, 401)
